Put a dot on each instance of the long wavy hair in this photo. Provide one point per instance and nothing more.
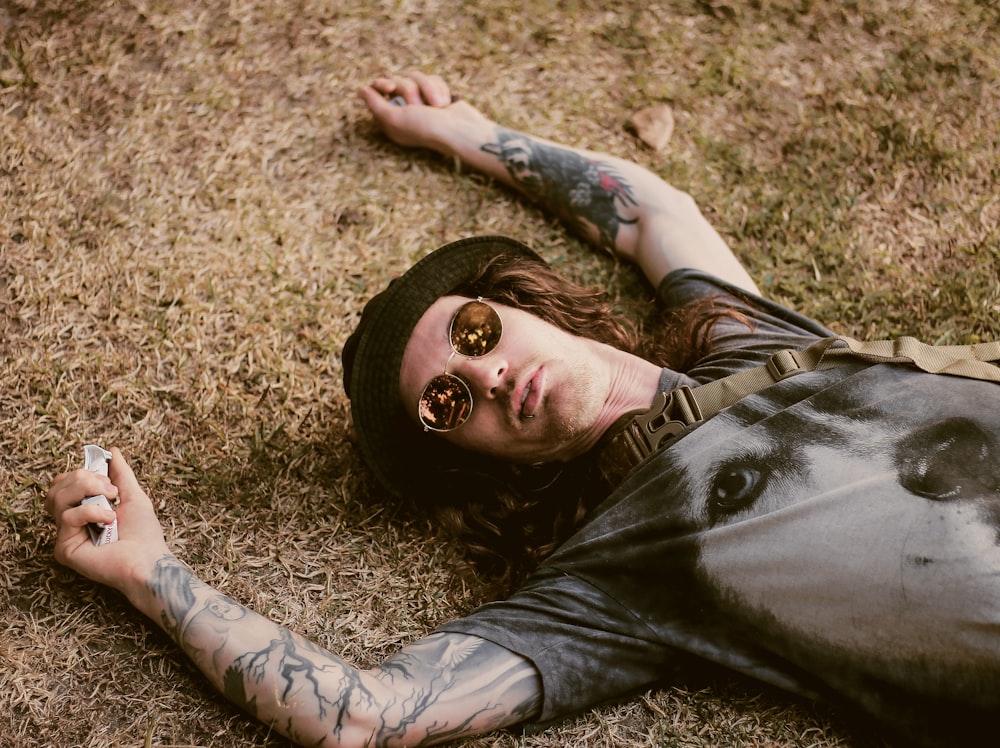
(511, 517)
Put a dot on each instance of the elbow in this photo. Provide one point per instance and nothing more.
(679, 205)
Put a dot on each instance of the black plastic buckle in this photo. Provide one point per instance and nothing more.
(669, 416)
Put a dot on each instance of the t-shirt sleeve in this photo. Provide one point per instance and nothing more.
(587, 648)
(686, 286)
(758, 329)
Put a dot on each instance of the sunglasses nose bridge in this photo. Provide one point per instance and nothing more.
(484, 374)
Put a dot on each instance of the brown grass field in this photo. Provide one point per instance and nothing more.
(194, 207)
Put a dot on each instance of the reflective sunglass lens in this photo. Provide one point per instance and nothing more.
(476, 329)
(446, 403)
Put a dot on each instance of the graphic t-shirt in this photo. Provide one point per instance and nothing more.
(837, 535)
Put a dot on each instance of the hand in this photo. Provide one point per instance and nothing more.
(430, 118)
(123, 565)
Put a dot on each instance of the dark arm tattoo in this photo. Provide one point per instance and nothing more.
(495, 687)
(442, 687)
(587, 193)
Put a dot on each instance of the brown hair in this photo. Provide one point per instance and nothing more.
(512, 516)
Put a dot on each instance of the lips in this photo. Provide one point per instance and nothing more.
(530, 395)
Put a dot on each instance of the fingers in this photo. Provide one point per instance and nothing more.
(69, 489)
(62, 501)
(80, 516)
(433, 89)
(374, 99)
(383, 85)
(415, 89)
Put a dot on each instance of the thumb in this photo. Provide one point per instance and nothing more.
(373, 99)
(123, 477)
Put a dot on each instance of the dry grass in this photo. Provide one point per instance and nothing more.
(194, 207)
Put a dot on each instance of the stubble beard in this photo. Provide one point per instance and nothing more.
(576, 412)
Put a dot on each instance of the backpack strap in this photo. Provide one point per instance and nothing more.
(972, 361)
(639, 434)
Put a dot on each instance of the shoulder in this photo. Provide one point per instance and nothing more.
(686, 287)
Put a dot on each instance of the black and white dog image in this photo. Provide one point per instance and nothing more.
(837, 535)
(856, 534)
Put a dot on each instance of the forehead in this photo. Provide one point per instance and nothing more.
(434, 322)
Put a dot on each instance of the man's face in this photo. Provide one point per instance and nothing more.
(539, 396)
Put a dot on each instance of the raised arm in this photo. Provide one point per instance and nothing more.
(439, 688)
(613, 203)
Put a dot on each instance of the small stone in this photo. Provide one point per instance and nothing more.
(654, 125)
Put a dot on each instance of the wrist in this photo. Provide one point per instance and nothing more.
(137, 583)
(462, 133)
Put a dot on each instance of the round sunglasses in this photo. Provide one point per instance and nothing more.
(446, 402)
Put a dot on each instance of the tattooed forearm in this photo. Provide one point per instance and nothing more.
(298, 671)
(589, 194)
(199, 623)
(259, 666)
(442, 687)
(172, 585)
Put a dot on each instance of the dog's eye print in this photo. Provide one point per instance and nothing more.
(736, 486)
(951, 459)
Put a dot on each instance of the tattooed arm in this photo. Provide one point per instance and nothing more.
(615, 204)
(440, 688)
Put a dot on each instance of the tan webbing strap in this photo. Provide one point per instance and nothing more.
(970, 361)
(673, 413)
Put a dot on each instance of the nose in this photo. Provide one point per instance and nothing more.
(952, 459)
(486, 376)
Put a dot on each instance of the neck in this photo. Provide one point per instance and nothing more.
(632, 385)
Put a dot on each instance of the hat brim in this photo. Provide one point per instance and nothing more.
(394, 313)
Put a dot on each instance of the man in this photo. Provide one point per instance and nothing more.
(823, 535)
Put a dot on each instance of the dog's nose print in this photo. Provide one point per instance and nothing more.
(948, 460)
